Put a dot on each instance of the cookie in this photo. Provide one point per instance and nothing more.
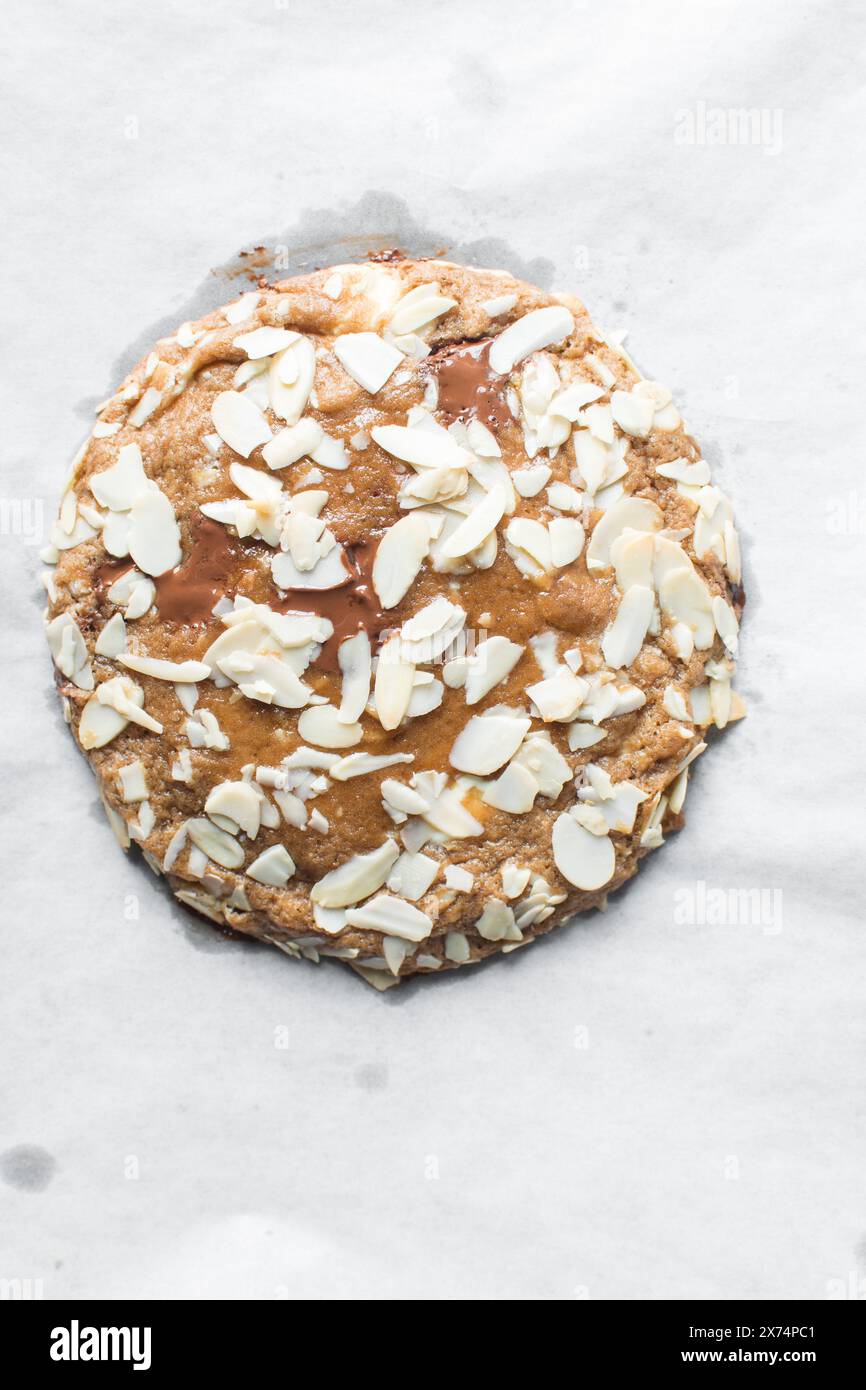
(391, 607)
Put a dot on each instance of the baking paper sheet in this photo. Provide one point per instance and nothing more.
(653, 1103)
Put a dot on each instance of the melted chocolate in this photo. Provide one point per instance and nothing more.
(467, 387)
(349, 608)
(110, 570)
(188, 593)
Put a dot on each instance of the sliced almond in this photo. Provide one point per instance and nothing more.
(530, 538)
(112, 639)
(513, 791)
(239, 422)
(538, 329)
(478, 525)
(629, 513)
(154, 535)
(684, 596)
(293, 443)
(632, 556)
(274, 867)
(422, 448)
(399, 556)
(624, 637)
(494, 658)
(290, 380)
(558, 697)
(392, 916)
(419, 307)
(367, 358)
(357, 878)
(586, 860)
(487, 742)
(633, 414)
(165, 670)
(239, 804)
(394, 684)
(566, 541)
(118, 486)
(215, 843)
(355, 661)
(321, 724)
(264, 342)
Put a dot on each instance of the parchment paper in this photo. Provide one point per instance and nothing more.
(653, 1103)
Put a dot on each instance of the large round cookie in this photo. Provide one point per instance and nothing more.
(391, 606)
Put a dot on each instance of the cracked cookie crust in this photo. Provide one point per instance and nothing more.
(390, 606)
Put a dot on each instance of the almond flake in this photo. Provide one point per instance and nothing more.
(487, 742)
(361, 764)
(235, 806)
(392, 916)
(264, 342)
(513, 791)
(496, 922)
(394, 684)
(530, 539)
(566, 541)
(412, 875)
(99, 725)
(215, 843)
(684, 596)
(355, 661)
(558, 697)
(133, 781)
(499, 305)
(69, 650)
(457, 947)
(624, 637)
(242, 308)
(538, 329)
(572, 399)
(458, 879)
(112, 639)
(586, 860)
(399, 556)
(145, 408)
(290, 380)
(293, 443)
(274, 867)
(422, 448)
(165, 670)
(726, 623)
(478, 525)
(367, 358)
(629, 513)
(565, 498)
(118, 486)
(356, 879)
(681, 471)
(633, 414)
(239, 422)
(419, 307)
(321, 724)
(329, 572)
(494, 658)
(530, 479)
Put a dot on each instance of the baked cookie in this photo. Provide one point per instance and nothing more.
(391, 606)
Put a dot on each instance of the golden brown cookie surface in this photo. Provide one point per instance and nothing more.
(390, 606)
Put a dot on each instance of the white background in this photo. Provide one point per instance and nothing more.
(634, 1108)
